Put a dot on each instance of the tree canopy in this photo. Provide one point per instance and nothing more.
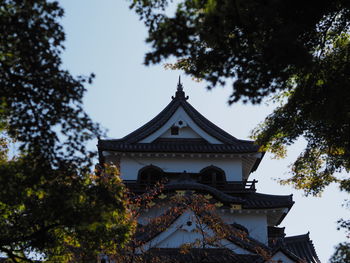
(51, 204)
(295, 51)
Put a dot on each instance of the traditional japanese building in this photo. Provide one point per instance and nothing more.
(198, 158)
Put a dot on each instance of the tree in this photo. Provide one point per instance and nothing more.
(51, 204)
(297, 52)
(208, 230)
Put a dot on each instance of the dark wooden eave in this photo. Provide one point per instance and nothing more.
(176, 147)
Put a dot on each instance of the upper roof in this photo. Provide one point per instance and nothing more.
(132, 142)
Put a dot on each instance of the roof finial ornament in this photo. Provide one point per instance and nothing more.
(179, 85)
(180, 94)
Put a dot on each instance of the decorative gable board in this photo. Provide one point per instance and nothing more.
(181, 120)
(180, 233)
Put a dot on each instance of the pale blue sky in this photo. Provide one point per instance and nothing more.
(106, 38)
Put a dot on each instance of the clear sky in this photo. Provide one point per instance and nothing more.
(106, 38)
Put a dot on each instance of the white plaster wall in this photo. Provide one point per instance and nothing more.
(130, 166)
(281, 256)
(184, 133)
(255, 223)
(180, 114)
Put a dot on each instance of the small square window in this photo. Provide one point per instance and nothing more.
(174, 130)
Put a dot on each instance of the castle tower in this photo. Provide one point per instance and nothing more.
(198, 158)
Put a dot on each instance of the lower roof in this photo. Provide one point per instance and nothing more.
(303, 247)
(209, 255)
(248, 199)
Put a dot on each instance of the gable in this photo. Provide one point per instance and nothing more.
(182, 232)
(187, 129)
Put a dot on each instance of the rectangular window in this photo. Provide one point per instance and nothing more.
(174, 130)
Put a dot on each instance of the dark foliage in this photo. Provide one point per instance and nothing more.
(38, 97)
(50, 203)
(294, 50)
(297, 52)
(342, 254)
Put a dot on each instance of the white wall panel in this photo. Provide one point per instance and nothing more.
(130, 166)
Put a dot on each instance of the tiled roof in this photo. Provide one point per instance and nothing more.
(177, 147)
(203, 188)
(257, 200)
(130, 142)
(249, 200)
(303, 247)
(210, 255)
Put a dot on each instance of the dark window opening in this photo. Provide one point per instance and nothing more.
(150, 175)
(213, 176)
(174, 130)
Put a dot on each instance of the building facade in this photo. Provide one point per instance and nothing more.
(194, 159)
